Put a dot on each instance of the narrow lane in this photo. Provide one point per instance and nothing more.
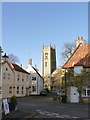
(46, 107)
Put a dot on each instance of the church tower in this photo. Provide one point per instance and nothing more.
(48, 64)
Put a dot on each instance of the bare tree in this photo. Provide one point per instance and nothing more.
(57, 78)
(13, 58)
(68, 49)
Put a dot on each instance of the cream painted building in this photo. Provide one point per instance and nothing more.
(48, 64)
(37, 81)
(7, 80)
(13, 81)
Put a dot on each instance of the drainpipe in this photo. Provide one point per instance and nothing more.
(37, 85)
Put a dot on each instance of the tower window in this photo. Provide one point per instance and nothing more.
(45, 64)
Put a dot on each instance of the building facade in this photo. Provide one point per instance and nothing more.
(13, 81)
(79, 62)
(48, 64)
(36, 80)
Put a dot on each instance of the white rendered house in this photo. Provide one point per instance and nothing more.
(37, 82)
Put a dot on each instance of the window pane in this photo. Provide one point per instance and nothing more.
(33, 88)
(88, 92)
(84, 92)
(33, 78)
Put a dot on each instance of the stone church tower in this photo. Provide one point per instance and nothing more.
(48, 64)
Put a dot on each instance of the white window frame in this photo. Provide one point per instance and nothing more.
(34, 87)
(86, 94)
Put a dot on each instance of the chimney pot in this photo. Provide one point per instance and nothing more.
(81, 37)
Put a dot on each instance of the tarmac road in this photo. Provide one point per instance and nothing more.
(48, 108)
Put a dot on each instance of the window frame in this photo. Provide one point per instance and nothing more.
(86, 92)
(34, 78)
(34, 89)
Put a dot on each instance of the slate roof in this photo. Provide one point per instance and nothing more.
(81, 56)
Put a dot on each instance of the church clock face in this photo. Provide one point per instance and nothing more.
(46, 55)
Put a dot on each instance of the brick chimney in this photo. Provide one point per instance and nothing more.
(21, 65)
(29, 61)
(79, 41)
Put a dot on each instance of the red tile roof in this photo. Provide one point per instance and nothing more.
(17, 68)
(81, 56)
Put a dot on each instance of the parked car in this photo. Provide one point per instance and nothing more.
(43, 92)
(59, 92)
(46, 89)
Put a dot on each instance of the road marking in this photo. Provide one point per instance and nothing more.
(38, 110)
(58, 116)
(50, 114)
(55, 113)
(42, 113)
(65, 116)
(75, 117)
(46, 112)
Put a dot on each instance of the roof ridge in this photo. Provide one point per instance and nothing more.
(80, 52)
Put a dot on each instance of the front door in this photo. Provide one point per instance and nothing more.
(74, 95)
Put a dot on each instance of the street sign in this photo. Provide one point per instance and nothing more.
(6, 106)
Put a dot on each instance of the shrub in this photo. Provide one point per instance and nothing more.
(13, 99)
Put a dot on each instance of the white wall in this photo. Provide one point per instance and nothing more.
(38, 82)
(77, 70)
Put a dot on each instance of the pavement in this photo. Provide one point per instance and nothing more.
(20, 114)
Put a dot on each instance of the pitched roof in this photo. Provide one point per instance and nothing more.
(17, 68)
(81, 56)
(37, 72)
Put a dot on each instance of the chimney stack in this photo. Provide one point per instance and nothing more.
(29, 61)
(79, 41)
(21, 65)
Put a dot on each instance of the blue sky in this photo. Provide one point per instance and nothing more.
(27, 26)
